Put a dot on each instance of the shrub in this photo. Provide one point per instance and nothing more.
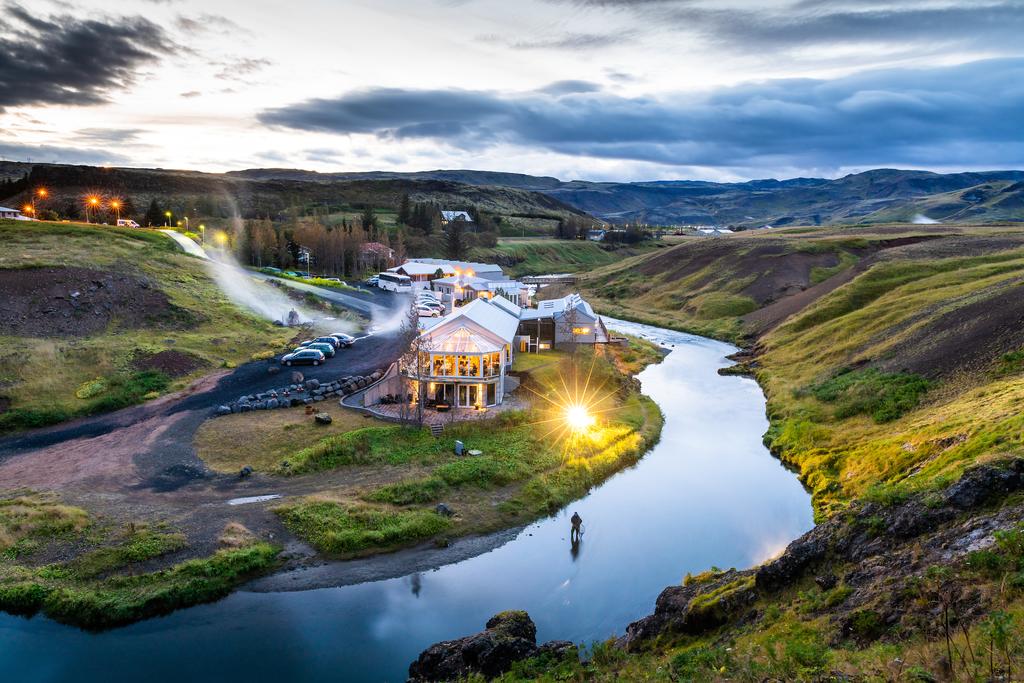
(336, 528)
(409, 492)
(700, 663)
(883, 396)
(91, 388)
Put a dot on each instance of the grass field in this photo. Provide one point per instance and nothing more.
(41, 386)
(106, 586)
(544, 256)
(530, 464)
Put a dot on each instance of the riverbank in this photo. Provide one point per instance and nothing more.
(356, 488)
(894, 380)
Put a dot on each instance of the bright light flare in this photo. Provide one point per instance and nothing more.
(579, 418)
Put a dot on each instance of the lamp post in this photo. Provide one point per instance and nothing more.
(167, 224)
(41, 193)
(116, 206)
(91, 203)
(29, 209)
(202, 234)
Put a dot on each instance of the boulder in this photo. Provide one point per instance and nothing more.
(312, 384)
(509, 637)
(223, 410)
(443, 510)
(244, 472)
(322, 419)
(297, 378)
(983, 483)
(799, 555)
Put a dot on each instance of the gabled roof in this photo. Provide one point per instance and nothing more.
(553, 307)
(8, 210)
(455, 215)
(418, 268)
(460, 265)
(482, 317)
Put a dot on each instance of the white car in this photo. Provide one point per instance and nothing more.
(427, 312)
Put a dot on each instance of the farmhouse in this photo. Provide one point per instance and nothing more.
(423, 270)
(557, 322)
(463, 288)
(451, 216)
(13, 214)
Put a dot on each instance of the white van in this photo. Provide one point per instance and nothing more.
(127, 223)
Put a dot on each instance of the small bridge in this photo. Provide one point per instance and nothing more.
(548, 279)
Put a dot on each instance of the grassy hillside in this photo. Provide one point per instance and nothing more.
(546, 256)
(95, 318)
(894, 371)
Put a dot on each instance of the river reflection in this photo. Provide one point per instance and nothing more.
(708, 494)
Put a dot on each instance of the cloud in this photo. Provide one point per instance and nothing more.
(967, 114)
(55, 154)
(108, 135)
(71, 61)
(210, 23)
(190, 94)
(239, 69)
(797, 23)
(569, 87)
(573, 41)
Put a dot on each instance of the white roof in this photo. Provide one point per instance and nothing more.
(418, 268)
(460, 265)
(552, 307)
(4, 209)
(482, 318)
(453, 215)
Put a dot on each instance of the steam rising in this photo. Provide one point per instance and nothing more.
(921, 219)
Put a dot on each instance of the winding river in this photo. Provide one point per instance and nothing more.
(708, 494)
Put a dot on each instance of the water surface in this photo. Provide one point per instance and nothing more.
(708, 494)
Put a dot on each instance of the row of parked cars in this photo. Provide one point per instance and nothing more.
(316, 351)
(428, 305)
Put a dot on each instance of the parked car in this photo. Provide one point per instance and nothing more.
(426, 294)
(126, 223)
(303, 357)
(327, 348)
(432, 305)
(344, 340)
(291, 273)
(373, 281)
(328, 339)
(427, 312)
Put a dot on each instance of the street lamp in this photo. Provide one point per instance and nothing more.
(29, 209)
(41, 193)
(116, 206)
(91, 203)
(168, 223)
(202, 233)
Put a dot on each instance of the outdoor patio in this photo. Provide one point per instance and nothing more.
(432, 416)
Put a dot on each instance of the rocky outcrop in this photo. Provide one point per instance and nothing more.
(509, 637)
(699, 605)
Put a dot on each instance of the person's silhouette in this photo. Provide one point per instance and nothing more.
(577, 528)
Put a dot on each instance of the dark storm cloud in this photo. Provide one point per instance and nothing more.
(966, 114)
(67, 60)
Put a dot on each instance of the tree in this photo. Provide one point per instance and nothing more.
(455, 244)
(154, 215)
(369, 219)
(415, 361)
(404, 211)
(399, 245)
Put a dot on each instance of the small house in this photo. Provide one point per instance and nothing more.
(557, 322)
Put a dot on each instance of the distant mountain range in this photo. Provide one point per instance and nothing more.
(881, 195)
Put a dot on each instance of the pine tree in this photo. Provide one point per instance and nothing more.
(455, 246)
(369, 220)
(154, 215)
(404, 211)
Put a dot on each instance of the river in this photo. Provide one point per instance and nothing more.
(709, 494)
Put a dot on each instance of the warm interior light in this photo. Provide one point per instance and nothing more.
(578, 418)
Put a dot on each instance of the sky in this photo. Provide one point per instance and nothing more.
(577, 89)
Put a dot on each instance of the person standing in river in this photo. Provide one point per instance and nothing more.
(577, 528)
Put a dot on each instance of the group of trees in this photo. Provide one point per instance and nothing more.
(426, 223)
(347, 250)
(576, 228)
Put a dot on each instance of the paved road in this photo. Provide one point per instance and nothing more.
(376, 303)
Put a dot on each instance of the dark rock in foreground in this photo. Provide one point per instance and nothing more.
(508, 638)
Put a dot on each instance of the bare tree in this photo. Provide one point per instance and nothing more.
(415, 361)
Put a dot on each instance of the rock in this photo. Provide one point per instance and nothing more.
(307, 401)
(273, 369)
(701, 606)
(799, 555)
(509, 637)
(982, 483)
(443, 510)
(323, 419)
(297, 378)
(318, 398)
(826, 582)
(244, 472)
(312, 384)
(244, 407)
(223, 410)
(272, 403)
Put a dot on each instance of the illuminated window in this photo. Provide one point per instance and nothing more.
(581, 330)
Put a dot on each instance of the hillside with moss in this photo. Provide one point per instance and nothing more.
(893, 364)
(98, 318)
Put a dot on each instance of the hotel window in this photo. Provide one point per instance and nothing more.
(581, 330)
